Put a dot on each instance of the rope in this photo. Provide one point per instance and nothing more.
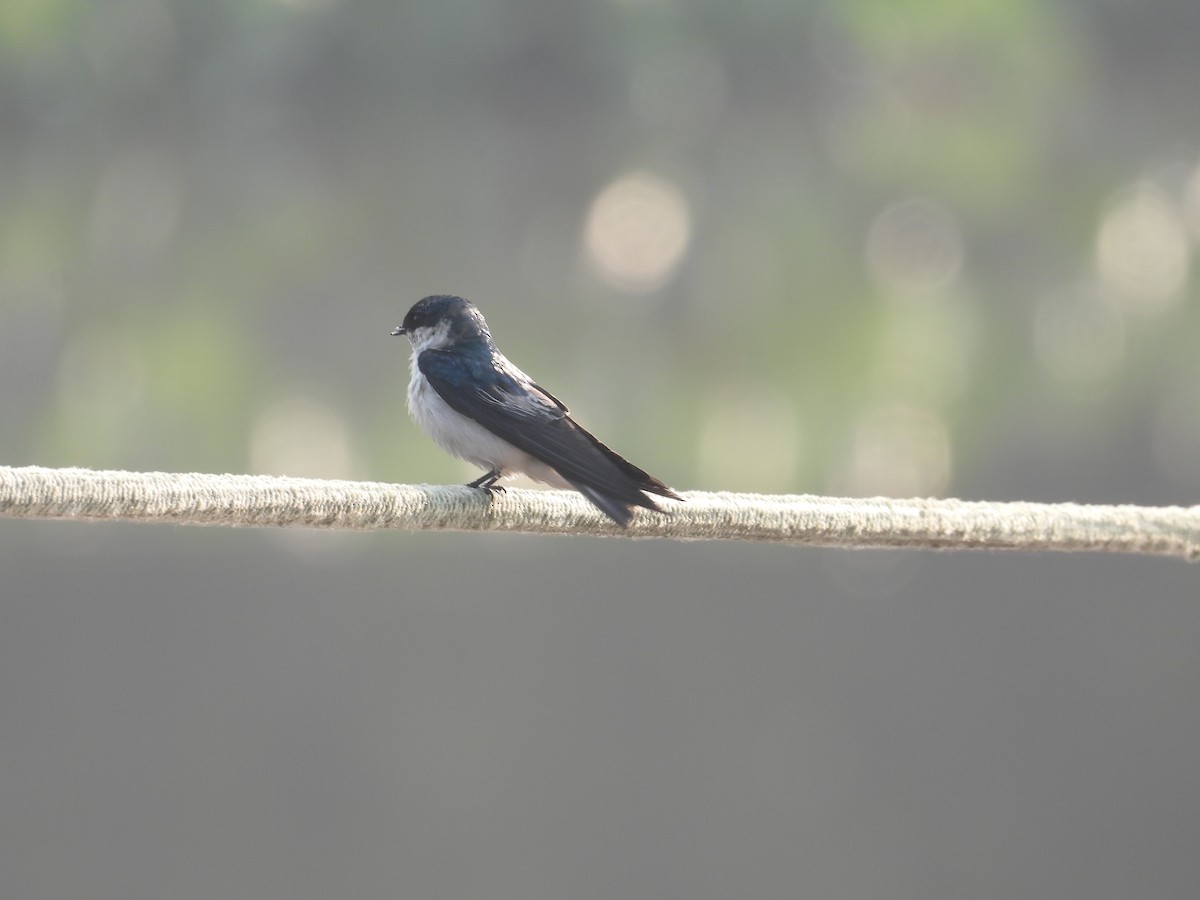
(259, 500)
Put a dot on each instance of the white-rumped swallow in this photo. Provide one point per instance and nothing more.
(478, 406)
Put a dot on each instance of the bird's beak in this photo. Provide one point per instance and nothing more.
(398, 330)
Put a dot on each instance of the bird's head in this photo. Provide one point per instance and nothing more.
(442, 320)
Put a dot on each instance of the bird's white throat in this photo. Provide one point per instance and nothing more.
(430, 337)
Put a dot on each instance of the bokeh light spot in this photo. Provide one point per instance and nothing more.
(637, 232)
(304, 438)
(899, 451)
(1142, 251)
(914, 246)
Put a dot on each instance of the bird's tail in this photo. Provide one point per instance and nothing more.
(619, 510)
(620, 494)
(641, 479)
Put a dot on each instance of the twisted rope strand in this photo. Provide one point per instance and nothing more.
(34, 492)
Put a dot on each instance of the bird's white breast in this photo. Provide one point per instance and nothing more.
(467, 439)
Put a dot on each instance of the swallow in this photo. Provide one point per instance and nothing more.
(477, 406)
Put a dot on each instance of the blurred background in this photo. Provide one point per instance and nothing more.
(905, 248)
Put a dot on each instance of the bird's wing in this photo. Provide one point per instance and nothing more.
(533, 420)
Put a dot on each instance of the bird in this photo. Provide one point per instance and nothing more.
(477, 406)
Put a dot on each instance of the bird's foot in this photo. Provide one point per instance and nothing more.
(488, 482)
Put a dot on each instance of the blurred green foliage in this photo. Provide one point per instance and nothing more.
(207, 208)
